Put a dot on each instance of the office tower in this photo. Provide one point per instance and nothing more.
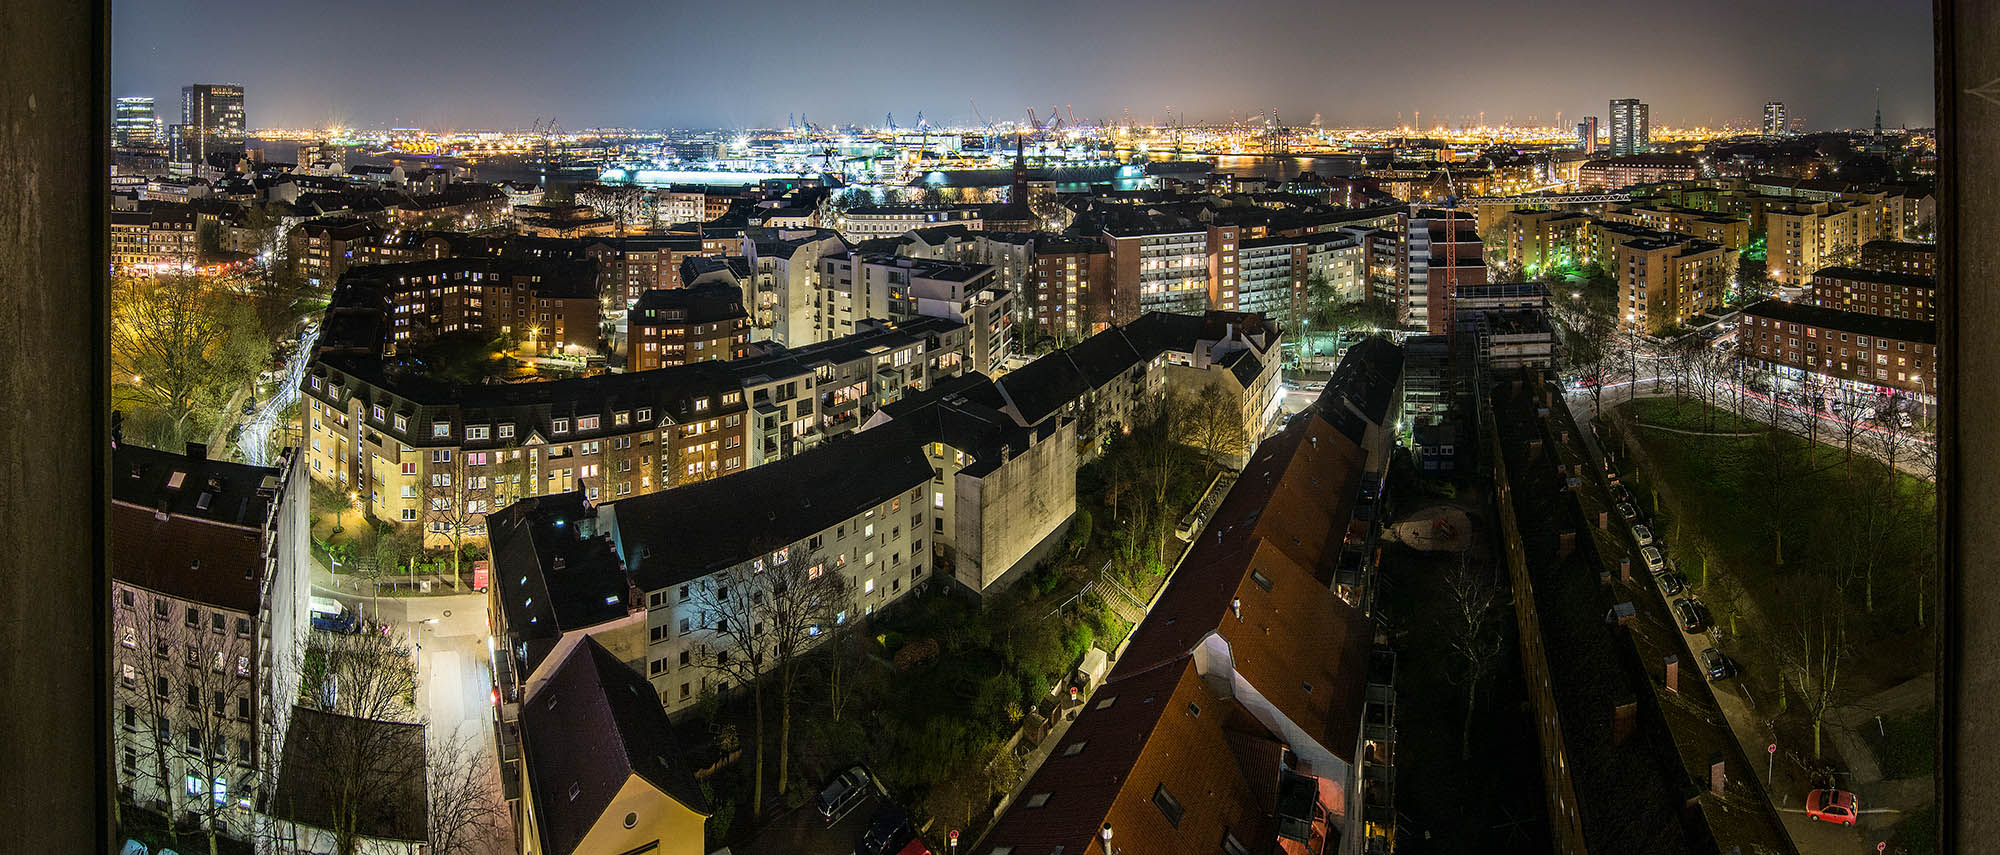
(212, 121)
(1774, 119)
(1586, 135)
(133, 123)
(1629, 131)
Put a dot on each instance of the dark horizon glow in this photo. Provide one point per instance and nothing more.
(499, 65)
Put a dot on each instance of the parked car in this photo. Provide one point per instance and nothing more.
(841, 794)
(1655, 562)
(1671, 583)
(329, 615)
(1620, 494)
(1627, 512)
(1836, 806)
(1690, 614)
(1718, 664)
(888, 832)
(1643, 534)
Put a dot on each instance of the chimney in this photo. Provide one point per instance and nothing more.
(197, 451)
(1673, 673)
(1625, 569)
(1718, 776)
(1624, 716)
(1565, 544)
(1604, 520)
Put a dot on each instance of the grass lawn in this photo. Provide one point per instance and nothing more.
(1724, 522)
(1905, 744)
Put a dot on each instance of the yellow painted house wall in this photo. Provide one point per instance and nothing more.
(676, 828)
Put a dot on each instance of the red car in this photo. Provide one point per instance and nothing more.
(1836, 806)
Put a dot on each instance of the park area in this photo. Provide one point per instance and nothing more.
(1819, 565)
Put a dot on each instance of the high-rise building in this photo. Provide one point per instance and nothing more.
(1630, 133)
(133, 123)
(1586, 135)
(212, 121)
(1774, 119)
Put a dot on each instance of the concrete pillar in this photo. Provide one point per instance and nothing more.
(1673, 672)
(55, 763)
(1968, 198)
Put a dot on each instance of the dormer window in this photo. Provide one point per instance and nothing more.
(559, 426)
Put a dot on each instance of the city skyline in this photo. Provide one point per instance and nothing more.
(1826, 71)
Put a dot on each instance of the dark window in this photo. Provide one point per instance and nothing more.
(194, 617)
(1168, 805)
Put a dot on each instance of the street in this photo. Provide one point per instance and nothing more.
(254, 441)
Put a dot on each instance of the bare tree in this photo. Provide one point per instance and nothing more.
(802, 602)
(464, 817)
(188, 689)
(1474, 635)
(1212, 422)
(727, 607)
(1811, 642)
(367, 678)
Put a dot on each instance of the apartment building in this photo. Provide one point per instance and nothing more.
(1070, 296)
(631, 266)
(418, 451)
(1107, 380)
(1804, 236)
(674, 327)
(866, 222)
(1615, 173)
(1242, 715)
(208, 609)
(1001, 494)
(423, 452)
(1538, 241)
(1842, 353)
(858, 507)
(455, 206)
(1159, 268)
(324, 248)
(1665, 281)
(1896, 256)
(158, 236)
(803, 395)
(1870, 292)
(1276, 270)
(857, 286)
(784, 285)
(1729, 231)
(1444, 253)
(548, 306)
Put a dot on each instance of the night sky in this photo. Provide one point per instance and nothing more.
(499, 65)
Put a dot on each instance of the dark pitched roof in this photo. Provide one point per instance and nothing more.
(1855, 322)
(189, 527)
(708, 302)
(1360, 389)
(592, 726)
(320, 748)
(555, 573)
(676, 535)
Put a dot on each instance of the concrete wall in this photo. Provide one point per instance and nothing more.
(1002, 517)
(55, 109)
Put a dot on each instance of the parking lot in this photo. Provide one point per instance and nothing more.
(802, 830)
